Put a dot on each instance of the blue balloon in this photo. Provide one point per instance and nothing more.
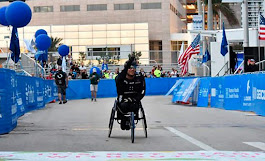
(39, 32)
(18, 14)
(43, 42)
(98, 70)
(3, 16)
(63, 50)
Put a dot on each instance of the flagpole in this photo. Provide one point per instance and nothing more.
(258, 39)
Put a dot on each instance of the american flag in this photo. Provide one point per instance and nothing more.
(184, 57)
(261, 28)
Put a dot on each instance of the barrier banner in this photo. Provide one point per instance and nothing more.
(48, 91)
(247, 83)
(78, 89)
(20, 93)
(12, 88)
(178, 82)
(40, 92)
(54, 90)
(183, 92)
(217, 92)
(31, 93)
(259, 94)
(232, 89)
(8, 105)
(159, 86)
(204, 91)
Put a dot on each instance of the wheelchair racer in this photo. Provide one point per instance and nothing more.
(130, 89)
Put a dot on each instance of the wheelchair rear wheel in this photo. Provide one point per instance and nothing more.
(144, 121)
(112, 115)
(132, 125)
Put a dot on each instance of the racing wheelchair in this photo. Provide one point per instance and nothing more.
(131, 117)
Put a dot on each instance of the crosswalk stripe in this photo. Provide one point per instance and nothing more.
(259, 145)
(190, 139)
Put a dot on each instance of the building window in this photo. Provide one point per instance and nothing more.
(155, 54)
(176, 45)
(43, 9)
(70, 8)
(151, 6)
(125, 6)
(96, 7)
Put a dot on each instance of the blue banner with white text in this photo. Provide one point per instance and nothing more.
(217, 92)
(232, 89)
(204, 91)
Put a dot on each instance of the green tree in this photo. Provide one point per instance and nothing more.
(55, 44)
(225, 10)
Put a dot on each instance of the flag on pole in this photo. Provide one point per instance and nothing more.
(184, 58)
(261, 27)
(14, 45)
(206, 57)
(224, 44)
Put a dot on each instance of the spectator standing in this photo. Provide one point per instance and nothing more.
(160, 68)
(174, 73)
(71, 74)
(153, 70)
(157, 73)
(94, 79)
(163, 74)
(84, 74)
(116, 73)
(60, 61)
(82, 68)
(142, 73)
(61, 81)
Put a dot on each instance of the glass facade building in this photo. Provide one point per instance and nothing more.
(126, 25)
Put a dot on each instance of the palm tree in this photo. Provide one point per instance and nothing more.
(225, 10)
(55, 43)
(54, 47)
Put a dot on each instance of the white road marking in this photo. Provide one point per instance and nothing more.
(191, 140)
(259, 145)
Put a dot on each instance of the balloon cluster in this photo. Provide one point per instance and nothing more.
(43, 41)
(17, 14)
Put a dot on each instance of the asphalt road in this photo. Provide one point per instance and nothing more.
(82, 125)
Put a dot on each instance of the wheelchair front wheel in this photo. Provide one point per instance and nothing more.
(132, 125)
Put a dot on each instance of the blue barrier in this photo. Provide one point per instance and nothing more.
(232, 89)
(20, 94)
(217, 92)
(235, 92)
(258, 94)
(80, 89)
(8, 105)
(204, 91)
(183, 92)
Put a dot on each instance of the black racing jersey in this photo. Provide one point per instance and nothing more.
(60, 77)
(130, 88)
